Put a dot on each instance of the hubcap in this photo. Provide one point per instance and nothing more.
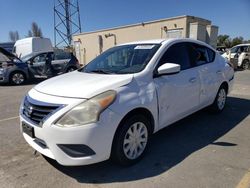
(221, 99)
(18, 78)
(135, 140)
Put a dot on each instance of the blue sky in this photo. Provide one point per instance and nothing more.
(232, 16)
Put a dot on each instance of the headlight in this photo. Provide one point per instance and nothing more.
(88, 111)
(1, 71)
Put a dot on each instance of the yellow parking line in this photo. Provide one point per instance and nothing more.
(245, 181)
(7, 119)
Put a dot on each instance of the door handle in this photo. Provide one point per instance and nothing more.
(192, 80)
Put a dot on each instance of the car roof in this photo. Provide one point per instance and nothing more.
(247, 44)
(155, 41)
(168, 41)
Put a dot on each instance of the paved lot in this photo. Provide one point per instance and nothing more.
(203, 150)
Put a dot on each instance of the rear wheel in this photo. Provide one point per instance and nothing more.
(131, 140)
(17, 78)
(245, 65)
(220, 100)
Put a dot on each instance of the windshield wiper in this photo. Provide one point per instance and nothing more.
(100, 71)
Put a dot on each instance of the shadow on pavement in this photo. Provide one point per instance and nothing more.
(168, 147)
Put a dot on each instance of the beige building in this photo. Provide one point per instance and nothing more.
(89, 45)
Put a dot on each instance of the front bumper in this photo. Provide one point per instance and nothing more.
(3, 77)
(96, 136)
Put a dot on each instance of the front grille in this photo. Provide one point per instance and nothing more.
(37, 113)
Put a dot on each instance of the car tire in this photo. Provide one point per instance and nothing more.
(220, 100)
(245, 65)
(17, 78)
(131, 140)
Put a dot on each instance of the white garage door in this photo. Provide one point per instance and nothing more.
(174, 33)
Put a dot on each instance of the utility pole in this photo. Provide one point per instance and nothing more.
(66, 22)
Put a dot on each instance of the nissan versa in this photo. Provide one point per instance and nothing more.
(111, 107)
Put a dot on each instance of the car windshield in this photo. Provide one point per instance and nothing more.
(239, 49)
(27, 57)
(125, 59)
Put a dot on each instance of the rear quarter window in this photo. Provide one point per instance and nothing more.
(200, 54)
(211, 55)
(60, 55)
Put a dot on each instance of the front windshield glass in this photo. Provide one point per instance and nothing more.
(27, 57)
(125, 59)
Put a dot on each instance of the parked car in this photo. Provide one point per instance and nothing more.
(61, 62)
(12, 69)
(112, 106)
(239, 55)
(221, 49)
(18, 71)
(31, 45)
(7, 46)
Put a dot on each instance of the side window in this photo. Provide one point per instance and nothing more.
(60, 55)
(248, 49)
(40, 58)
(177, 53)
(211, 55)
(200, 55)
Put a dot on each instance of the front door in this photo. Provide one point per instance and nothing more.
(178, 94)
(37, 65)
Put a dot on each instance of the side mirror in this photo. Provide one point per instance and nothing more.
(168, 69)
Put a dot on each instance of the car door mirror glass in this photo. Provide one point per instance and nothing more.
(168, 68)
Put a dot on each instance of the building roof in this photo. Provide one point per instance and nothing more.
(142, 23)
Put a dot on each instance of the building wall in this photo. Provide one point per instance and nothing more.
(91, 44)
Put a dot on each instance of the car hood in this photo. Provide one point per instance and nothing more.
(8, 54)
(82, 85)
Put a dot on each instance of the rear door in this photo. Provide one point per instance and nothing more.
(60, 61)
(209, 71)
(178, 94)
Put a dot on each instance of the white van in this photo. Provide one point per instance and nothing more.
(32, 45)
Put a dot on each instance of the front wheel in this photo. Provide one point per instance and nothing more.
(17, 78)
(131, 140)
(220, 100)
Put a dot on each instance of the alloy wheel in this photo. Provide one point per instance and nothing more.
(17, 78)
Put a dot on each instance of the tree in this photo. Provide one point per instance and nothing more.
(225, 40)
(222, 39)
(237, 40)
(14, 36)
(35, 31)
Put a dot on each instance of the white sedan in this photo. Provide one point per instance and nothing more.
(110, 107)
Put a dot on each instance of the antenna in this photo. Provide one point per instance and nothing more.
(66, 21)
